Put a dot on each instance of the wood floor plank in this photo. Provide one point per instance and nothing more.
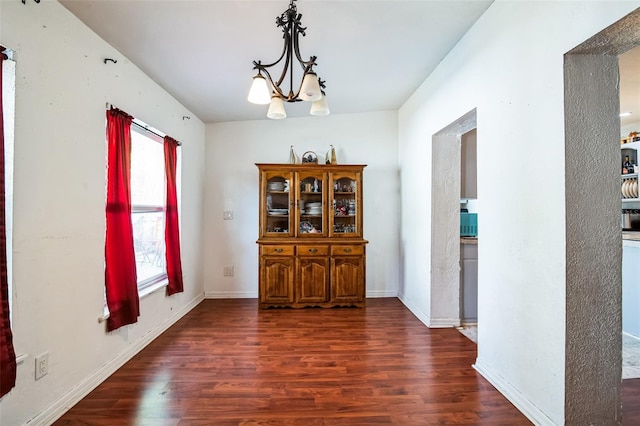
(229, 363)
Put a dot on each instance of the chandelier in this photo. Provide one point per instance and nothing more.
(311, 89)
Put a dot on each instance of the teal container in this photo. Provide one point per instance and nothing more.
(468, 224)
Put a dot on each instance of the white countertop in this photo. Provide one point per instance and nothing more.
(631, 235)
(468, 240)
(631, 239)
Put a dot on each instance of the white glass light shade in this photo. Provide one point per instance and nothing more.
(310, 90)
(259, 92)
(276, 109)
(320, 107)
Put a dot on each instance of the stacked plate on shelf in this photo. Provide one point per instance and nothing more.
(630, 188)
(275, 186)
(314, 209)
(278, 212)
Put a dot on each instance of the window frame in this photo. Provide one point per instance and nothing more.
(149, 284)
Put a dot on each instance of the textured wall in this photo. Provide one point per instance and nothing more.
(594, 250)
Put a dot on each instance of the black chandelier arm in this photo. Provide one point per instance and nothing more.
(290, 21)
(275, 87)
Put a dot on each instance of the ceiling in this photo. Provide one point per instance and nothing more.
(372, 54)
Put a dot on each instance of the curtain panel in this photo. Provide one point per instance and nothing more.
(171, 230)
(7, 351)
(121, 281)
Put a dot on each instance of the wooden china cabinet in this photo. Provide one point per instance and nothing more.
(311, 245)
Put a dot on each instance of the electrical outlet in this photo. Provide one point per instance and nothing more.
(42, 365)
(228, 215)
(227, 271)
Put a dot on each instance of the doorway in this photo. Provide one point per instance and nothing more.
(445, 221)
(593, 237)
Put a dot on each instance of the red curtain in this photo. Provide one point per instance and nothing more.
(8, 354)
(171, 231)
(120, 263)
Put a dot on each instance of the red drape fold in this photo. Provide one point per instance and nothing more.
(120, 264)
(171, 229)
(7, 352)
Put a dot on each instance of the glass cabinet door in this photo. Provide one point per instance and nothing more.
(277, 204)
(311, 219)
(345, 198)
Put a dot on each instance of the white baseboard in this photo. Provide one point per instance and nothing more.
(381, 293)
(444, 322)
(71, 398)
(521, 403)
(427, 320)
(231, 295)
(254, 295)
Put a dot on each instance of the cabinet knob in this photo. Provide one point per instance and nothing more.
(278, 250)
(347, 250)
(313, 250)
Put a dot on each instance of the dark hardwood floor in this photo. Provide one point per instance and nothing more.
(228, 363)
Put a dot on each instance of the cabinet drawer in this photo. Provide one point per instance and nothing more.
(313, 250)
(347, 250)
(277, 250)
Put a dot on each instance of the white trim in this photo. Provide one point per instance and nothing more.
(445, 322)
(426, 320)
(381, 293)
(71, 398)
(231, 295)
(152, 288)
(254, 295)
(525, 406)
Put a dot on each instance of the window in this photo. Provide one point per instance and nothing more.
(148, 192)
(141, 213)
(9, 99)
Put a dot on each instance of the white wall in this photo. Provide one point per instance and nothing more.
(232, 184)
(510, 67)
(62, 88)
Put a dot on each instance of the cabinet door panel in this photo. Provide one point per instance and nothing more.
(276, 201)
(347, 279)
(311, 190)
(277, 280)
(313, 279)
(345, 190)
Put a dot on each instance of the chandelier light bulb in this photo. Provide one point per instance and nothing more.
(259, 92)
(320, 107)
(310, 90)
(276, 109)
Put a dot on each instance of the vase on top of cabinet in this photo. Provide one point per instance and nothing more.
(312, 251)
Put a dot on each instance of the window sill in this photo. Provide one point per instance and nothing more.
(141, 294)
